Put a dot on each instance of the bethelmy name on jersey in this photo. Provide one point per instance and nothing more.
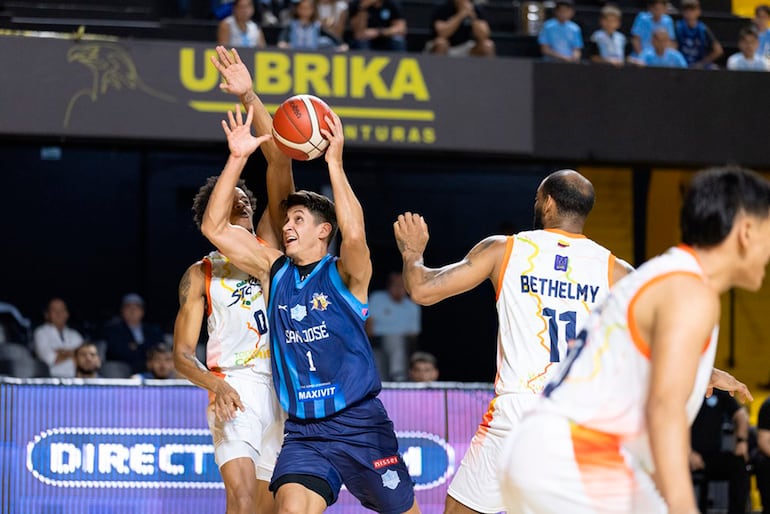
(307, 335)
(559, 288)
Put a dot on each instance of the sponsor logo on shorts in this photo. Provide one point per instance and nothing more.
(390, 479)
(124, 457)
(387, 461)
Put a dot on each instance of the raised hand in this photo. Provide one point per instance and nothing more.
(237, 79)
(411, 233)
(336, 138)
(238, 132)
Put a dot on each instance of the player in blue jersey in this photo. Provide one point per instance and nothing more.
(323, 368)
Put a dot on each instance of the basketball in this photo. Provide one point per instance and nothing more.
(297, 127)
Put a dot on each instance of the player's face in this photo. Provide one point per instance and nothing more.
(242, 213)
(757, 254)
(300, 231)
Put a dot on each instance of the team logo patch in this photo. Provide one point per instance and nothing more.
(320, 302)
(390, 479)
(298, 312)
(560, 263)
(384, 463)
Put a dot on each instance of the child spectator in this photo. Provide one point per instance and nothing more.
(304, 31)
(762, 21)
(608, 44)
(647, 22)
(748, 59)
(661, 54)
(696, 41)
(460, 29)
(560, 38)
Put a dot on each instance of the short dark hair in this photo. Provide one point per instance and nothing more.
(319, 205)
(155, 349)
(85, 344)
(571, 197)
(762, 8)
(714, 198)
(201, 199)
(748, 31)
(426, 357)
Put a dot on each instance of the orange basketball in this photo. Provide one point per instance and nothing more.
(297, 127)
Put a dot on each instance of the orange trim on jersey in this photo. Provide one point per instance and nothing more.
(599, 462)
(565, 233)
(506, 257)
(261, 241)
(642, 345)
(207, 273)
(481, 433)
(610, 269)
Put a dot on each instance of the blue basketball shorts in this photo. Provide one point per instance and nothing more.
(357, 447)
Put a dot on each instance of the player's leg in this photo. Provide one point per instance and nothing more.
(294, 498)
(475, 486)
(239, 477)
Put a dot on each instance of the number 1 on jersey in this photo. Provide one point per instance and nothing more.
(310, 360)
(553, 329)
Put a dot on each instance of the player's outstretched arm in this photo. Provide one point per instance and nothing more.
(235, 242)
(679, 315)
(280, 182)
(355, 264)
(187, 328)
(726, 382)
(427, 286)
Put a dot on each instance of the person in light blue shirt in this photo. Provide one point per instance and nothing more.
(661, 54)
(608, 45)
(762, 22)
(748, 59)
(560, 38)
(646, 23)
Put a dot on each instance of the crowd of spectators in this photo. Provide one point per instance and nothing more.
(461, 28)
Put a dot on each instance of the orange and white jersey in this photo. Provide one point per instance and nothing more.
(550, 281)
(237, 318)
(602, 386)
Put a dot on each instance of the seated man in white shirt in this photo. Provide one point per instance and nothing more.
(55, 342)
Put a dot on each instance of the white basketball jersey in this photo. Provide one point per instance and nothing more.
(237, 318)
(550, 281)
(604, 382)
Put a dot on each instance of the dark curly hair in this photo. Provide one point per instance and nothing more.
(201, 199)
(320, 206)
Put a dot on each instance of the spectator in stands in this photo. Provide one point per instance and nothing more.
(695, 40)
(333, 15)
(720, 448)
(661, 54)
(762, 22)
(55, 342)
(560, 38)
(239, 29)
(87, 361)
(423, 367)
(460, 29)
(377, 25)
(160, 363)
(647, 22)
(305, 32)
(761, 458)
(394, 323)
(748, 59)
(129, 337)
(608, 44)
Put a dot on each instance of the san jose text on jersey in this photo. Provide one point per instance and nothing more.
(322, 358)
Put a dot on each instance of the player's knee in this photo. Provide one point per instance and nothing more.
(240, 501)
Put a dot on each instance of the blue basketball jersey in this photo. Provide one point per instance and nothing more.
(322, 360)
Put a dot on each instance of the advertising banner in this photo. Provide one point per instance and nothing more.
(129, 449)
(161, 91)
